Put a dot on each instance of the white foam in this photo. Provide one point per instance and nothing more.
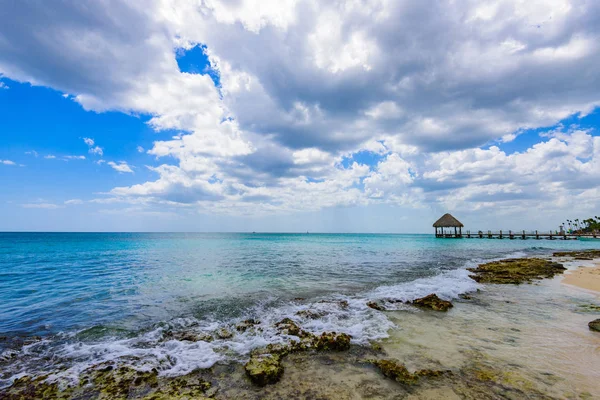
(174, 357)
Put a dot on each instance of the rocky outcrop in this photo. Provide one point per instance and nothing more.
(246, 324)
(288, 327)
(432, 302)
(398, 372)
(264, 369)
(376, 306)
(332, 341)
(578, 255)
(516, 271)
(310, 314)
(224, 334)
(187, 336)
(595, 325)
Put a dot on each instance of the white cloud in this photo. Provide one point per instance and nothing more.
(74, 202)
(140, 149)
(32, 153)
(96, 150)
(7, 162)
(49, 157)
(47, 206)
(3, 86)
(419, 89)
(122, 166)
(67, 158)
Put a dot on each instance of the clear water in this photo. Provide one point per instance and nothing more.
(101, 296)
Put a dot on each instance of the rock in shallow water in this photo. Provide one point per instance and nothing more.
(264, 369)
(433, 302)
(595, 325)
(376, 306)
(516, 270)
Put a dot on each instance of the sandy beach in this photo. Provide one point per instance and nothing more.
(585, 277)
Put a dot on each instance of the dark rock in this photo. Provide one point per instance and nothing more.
(579, 254)
(310, 314)
(246, 324)
(595, 325)
(516, 270)
(264, 369)
(376, 306)
(433, 302)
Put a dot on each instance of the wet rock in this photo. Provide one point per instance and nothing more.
(465, 296)
(264, 369)
(333, 341)
(288, 327)
(595, 325)
(309, 314)
(398, 372)
(516, 270)
(246, 324)
(343, 304)
(279, 349)
(188, 336)
(580, 255)
(224, 334)
(376, 306)
(433, 302)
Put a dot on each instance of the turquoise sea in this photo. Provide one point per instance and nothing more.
(71, 300)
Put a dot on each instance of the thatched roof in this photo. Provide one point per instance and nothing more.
(447, 221)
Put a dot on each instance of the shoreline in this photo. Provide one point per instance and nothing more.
(420, 339)
(584, 277)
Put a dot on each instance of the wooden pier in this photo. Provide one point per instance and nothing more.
(449, 227)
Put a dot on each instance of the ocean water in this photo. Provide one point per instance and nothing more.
(72, 300)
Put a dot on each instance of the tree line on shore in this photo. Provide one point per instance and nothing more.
(582, 226)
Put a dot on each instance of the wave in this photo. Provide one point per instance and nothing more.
(161, 346)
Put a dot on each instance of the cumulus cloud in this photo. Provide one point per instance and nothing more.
(122, 166)
(3, 86)
(7, 162)
(427, 94)
(97, 150)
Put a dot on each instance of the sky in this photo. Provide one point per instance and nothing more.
(294, 116)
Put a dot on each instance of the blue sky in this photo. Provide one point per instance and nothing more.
(292, 121)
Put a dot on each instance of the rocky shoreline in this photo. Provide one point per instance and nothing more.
(294, 363)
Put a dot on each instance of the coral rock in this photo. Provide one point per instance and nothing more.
(333, 341)
(516, 270)
(247, 324)
(433, 302)
(595, 325)
(264, 369)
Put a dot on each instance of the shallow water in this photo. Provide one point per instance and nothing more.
(98, 297)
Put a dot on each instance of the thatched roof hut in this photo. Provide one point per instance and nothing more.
(448, 221)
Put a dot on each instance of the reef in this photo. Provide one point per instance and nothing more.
(224, 334)
(579, 254)
(246, 324)
(595, 325)
(395, 370)
(432, 302)
(107, 381)
(516, 271)
(264, 369)
(332, 341)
